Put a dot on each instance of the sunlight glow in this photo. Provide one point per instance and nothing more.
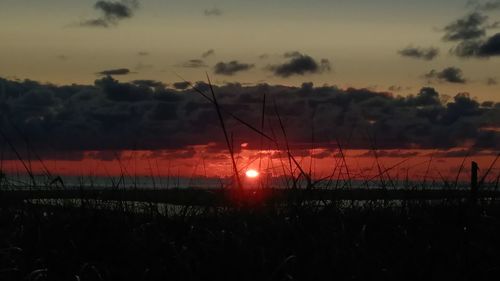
(252, 173)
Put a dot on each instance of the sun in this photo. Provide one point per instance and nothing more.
(251, 173)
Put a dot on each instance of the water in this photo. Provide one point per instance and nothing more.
(142, 182)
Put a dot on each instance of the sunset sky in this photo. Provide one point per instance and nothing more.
(387, 71)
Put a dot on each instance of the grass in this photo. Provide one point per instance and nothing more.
(416, 240)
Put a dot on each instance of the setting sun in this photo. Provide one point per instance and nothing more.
(252, 173)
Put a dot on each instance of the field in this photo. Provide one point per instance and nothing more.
(411, 239)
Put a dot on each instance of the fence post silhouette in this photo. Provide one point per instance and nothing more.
(473, 180)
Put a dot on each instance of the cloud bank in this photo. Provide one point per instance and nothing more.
(148, 115)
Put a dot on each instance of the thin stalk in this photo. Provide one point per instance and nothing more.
(228, 142)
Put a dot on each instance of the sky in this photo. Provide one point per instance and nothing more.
(435, 61)
(47, 41)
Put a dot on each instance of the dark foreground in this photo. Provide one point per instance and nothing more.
(415, 240)
(227, 197)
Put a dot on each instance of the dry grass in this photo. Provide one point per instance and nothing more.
(415, 240)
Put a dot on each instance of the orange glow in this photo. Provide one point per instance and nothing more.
(200, 161)
(252, 174)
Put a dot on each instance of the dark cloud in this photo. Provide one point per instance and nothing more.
(143, 53)
(147, 115)
(116, 10)
(449, 74)
(212, 12)
(194, 63)
(419, 53)
(164, 111)
(467, 48)
(479, 48)
(129, 92)
(470, 35)
(491, 47)
(117, 71)
(299, 64)
(468, 28)
(208, 53)
(231, 68)
(112, 12)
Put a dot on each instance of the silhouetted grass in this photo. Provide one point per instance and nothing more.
(413, 240)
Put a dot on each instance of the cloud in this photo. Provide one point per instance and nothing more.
(148, 115)
(449, 74)
(231, 68)
(212, 12)
(491, 47)
(479, 48)
(471, 37)
(299, 64)
(143, 53)
(117, 71)
(467, 28)
(208, 53)
(194, 63)
(116, 10)
(112, 12)
(419, 53)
